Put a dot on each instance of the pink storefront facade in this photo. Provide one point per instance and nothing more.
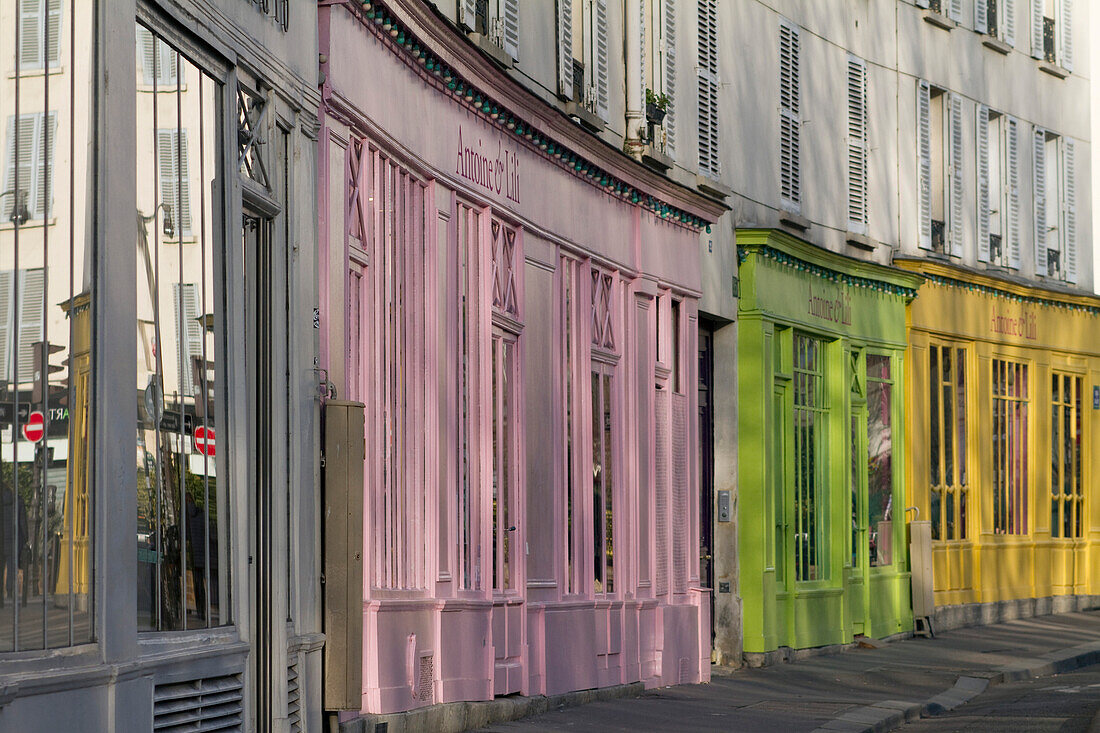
(515, 304)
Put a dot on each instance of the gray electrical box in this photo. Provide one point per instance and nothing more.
(343, 562)
(724, 506)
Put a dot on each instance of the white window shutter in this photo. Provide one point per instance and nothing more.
(1069, 215)
(983, 182)
(1037, 28)
(7, 313)
(45, 135)
(857, 145)
(643, 48)
(1065, 35)
(669, 81)
(189, 331)
(709, 161)
(955, 10)
(565, 48)
(175, 189)
(32, 297)
(511, 28)
(30, 33)
(53, 32)
(33, 139)
(467, 13)
(1008, 11)
(981, 20)
(603, 84)
(924, 163)
(1012, 146)
(790, 121)
(1039, 140)
(956, 164)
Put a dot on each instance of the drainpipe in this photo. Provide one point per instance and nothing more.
(635, 105)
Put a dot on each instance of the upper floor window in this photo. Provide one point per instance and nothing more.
(940, 169)
(659, 69)
(858, 149)
(1052, 31)
(583, 54)
(1055, 206)
(157, 60)
(709, 155)
(39, 33)
(997, 18)
(28, 166)
(496, 20)
(998, 188)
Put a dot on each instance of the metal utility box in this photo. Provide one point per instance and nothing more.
(920, 561)
(342, 528)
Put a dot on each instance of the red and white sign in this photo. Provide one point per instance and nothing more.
(204, 440)
(35, 427)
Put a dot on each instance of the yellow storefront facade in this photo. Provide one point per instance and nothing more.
(1004, 431)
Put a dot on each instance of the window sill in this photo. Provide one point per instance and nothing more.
(656, 160)
(582, 116)
(712, 187)
(37, 71)
(860, 241)
(490, 49)
(7, 226)
(1054, 69)
(794, 221)
(996, 44)
(938, 20)
(165, 88)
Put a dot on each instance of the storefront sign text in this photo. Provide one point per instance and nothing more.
(836, 308)
(499, 174)
(1022, 325)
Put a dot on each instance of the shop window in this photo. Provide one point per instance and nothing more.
(997, 18)
(505, 379)
(468, 504)
(947, 441)
(29, 167)
(710, 160)
(182, 548)
(604, 418)
(1066, 444)
(39, 33)
(790, 117)
(940, 152)
(998, 188)
(572, 540)
(583, 54)
(1010, 447)
(811, 412)
(1055, 186)
(880, 460)
(1052, 32)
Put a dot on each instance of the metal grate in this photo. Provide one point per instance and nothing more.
(685, 670)
(426, 688)
(681, 506)
(662, 510)
(211, 704)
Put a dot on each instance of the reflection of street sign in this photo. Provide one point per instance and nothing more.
(153, 400)
(170, 422)
(35, 427)
(204, 440)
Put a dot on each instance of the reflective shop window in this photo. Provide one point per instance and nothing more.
(182, 507)
(46, 339)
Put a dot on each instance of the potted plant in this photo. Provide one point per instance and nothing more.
(656, 106)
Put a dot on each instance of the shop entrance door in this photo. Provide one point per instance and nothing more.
(706, 458)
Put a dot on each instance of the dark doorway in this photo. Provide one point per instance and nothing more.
(706, 460)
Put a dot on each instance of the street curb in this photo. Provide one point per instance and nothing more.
(889, 715)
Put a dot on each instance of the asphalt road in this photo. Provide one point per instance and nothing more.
(1064, 703)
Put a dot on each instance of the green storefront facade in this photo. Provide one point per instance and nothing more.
(821, 402)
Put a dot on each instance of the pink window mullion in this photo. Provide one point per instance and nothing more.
(419, 487)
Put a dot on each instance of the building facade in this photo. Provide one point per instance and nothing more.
(513, 301)
(160, 525)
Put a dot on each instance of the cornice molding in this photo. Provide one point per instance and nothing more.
(426, 42)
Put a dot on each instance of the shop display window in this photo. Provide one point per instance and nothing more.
(1010, 447)
(947, 441)
(1066, 498)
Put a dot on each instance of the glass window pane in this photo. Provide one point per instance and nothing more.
(880, 474)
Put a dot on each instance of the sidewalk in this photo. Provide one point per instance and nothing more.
(857, 690)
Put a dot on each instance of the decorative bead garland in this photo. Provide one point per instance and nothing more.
(1005, 295)
(372, 13)
(826, 273)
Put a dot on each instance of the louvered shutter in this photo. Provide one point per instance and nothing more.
(1065, 36)
(1007, 10)
(709, 161)
(1040, 195)
(53, 32)
(1012, 145)
(669, 81)
(511, 28)
(467, 13)
(30, 33)
(1037, 28)
(188, 331)
(956, 172)
(159, 61)
(981, 20)
(790, 189)
(32, 297)
(857, 145)
(603, 84)
(7, 332)
(565, 48)
(174, 182)
(643, 49)
(45, 135)
(955, 10)
(924, 163)
(983, 182)
(28, 164)
(1069, 214)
